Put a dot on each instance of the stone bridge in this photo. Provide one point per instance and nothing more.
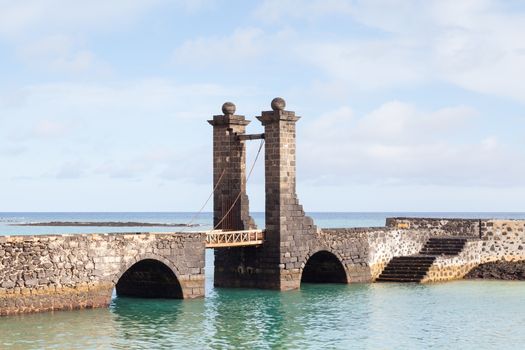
(57, 272)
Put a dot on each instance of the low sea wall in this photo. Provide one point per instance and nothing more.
(439, 227)
(489, 241)
(370, 249)
(366, 251)
(503, 240)
(57, 272)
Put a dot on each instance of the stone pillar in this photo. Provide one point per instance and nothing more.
(229, 161)
(277, 263)
(288, 230)
(229, 167)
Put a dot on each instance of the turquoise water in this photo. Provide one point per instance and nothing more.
(454, 315)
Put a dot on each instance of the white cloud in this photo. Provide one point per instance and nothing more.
(398, 122)
(12, 151)
(60, 53)
(52, 34)
(37, 17)
(364, 64)
(71, 170)
(400, 144)
(148, 128)
(242, 45)
(49, 128)
(273, 10)
(475, 45)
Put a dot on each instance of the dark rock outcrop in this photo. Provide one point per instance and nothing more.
(500, 270)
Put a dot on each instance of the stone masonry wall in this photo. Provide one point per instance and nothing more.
(372, 248)
(58, 272)
(390, 242)
(502, 240)
(447, 268)
(350, 246)
(439, 226)
(489, 241)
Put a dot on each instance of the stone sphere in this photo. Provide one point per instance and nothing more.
(228, 108)
(278, 104)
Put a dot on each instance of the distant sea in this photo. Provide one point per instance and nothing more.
(454, 315)
(203, 221)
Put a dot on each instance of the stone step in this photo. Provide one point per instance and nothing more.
(394, 279)
(462, 240)
(443, 245)
(406, 268)
(402, 275)
(413, 258)
(412, 261)
(409, 264)
(445, 242)
(446, 253)
(439, 251)
(405, 271)
(432, 251)
(415, 267)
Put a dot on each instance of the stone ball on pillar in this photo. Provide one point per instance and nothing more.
(228, 108)
(278, 104)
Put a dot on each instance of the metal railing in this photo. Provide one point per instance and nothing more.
(225, 239)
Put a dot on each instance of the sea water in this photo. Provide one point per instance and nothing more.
(453, 315)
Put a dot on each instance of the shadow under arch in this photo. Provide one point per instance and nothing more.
(323, 267)
(149, 278)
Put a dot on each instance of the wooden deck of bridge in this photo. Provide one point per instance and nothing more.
(226, 239)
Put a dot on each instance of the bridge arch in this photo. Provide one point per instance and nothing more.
(149, 276)
(323, 266)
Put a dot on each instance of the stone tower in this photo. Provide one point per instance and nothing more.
(288, 229)
(229, 171)
(230, 201)
(277, 264)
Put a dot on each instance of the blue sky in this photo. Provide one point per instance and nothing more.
(406, 105)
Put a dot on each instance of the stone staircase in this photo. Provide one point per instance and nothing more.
(415, 267)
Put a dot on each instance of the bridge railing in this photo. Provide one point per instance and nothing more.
(224, 239)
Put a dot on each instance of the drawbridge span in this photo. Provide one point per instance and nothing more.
(228, 239)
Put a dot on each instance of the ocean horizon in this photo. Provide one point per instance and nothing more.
(203, 220)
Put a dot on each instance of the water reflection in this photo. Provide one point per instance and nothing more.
(140, 321)
(464, 314)
(82, 329)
